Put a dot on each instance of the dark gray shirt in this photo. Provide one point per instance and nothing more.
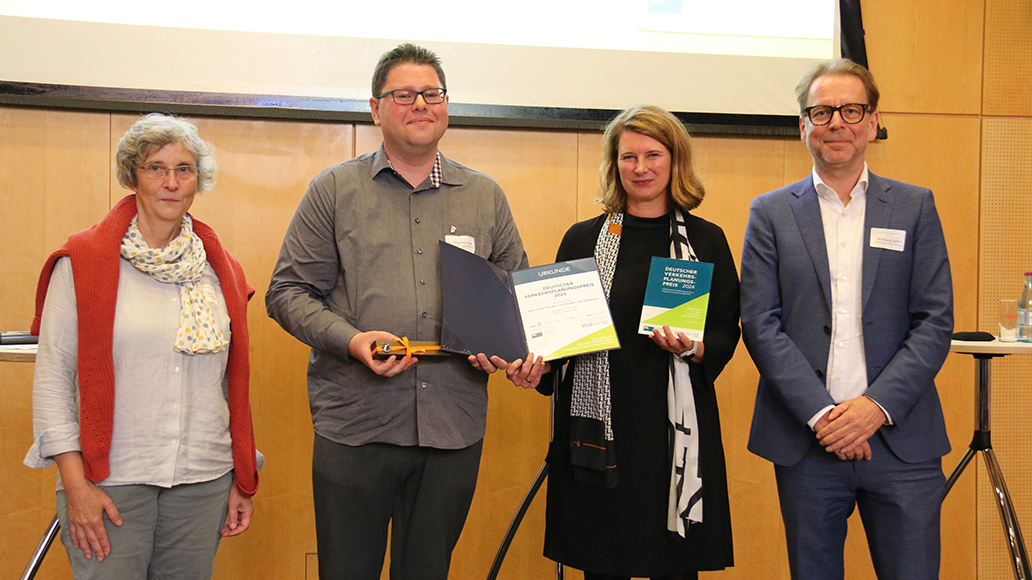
(361, 254)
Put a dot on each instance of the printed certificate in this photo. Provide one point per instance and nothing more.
(563, 309)
(554, 311)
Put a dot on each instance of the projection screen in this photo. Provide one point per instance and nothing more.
(536, 58)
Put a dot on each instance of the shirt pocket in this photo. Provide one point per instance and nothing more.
(473, 238)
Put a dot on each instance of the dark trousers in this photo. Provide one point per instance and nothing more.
(899, 504)
(423, 493)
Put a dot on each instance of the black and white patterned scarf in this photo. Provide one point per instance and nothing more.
(592, 449)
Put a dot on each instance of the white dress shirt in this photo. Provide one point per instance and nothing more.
(171, 418)
(846, 375)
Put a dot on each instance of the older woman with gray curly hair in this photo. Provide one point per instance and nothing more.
(140, 394)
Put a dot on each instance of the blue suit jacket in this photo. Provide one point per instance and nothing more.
(907, 317)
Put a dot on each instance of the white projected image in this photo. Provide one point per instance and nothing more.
(731, 56)
(788, 28)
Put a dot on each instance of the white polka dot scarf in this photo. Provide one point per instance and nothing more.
(181, 262)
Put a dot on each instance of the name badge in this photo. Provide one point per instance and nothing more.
(465, 242)
(209, 294)
(887, 239)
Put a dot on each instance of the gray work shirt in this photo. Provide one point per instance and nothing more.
(361, 254)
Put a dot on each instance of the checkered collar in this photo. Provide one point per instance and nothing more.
(435, 173)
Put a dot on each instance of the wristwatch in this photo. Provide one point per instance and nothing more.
(690, 353)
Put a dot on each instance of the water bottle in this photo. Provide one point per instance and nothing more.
(1025, 311)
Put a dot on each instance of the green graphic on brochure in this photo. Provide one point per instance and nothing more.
(677, 296)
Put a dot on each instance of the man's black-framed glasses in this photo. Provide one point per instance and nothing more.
(851, 113)
(408, 96)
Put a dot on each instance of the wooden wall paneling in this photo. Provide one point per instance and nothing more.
(1004, 231)
(734, 171)
(926, 55)
(265, 168)
(1007, 81)
(368, 138)
(53, 182)
(798, 163)
(589, 157)
(537, 170)
(942, 152)
(1006, 227)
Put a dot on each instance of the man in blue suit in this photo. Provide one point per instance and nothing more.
(847, 311)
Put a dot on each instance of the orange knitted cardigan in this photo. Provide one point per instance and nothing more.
(95, 255)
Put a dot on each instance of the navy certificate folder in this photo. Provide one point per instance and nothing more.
(479, 310)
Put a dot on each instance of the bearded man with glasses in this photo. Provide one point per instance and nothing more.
(397, 441)
(847, 311)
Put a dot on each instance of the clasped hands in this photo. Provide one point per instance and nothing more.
(846, 428)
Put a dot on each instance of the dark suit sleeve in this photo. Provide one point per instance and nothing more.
(785, 372)
(910, 372)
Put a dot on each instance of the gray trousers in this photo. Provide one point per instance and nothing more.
(166, 533)
(424, 495)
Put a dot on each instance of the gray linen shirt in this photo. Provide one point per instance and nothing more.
(171, 418)
(361, 254)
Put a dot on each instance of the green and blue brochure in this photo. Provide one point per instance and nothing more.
(677, 296)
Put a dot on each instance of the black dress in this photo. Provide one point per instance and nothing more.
(622, 530)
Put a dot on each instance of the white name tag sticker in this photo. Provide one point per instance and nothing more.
(209, 294)
(887, 239)
(465, 242)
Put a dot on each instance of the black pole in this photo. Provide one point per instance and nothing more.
(852, 29)
(496, 566)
